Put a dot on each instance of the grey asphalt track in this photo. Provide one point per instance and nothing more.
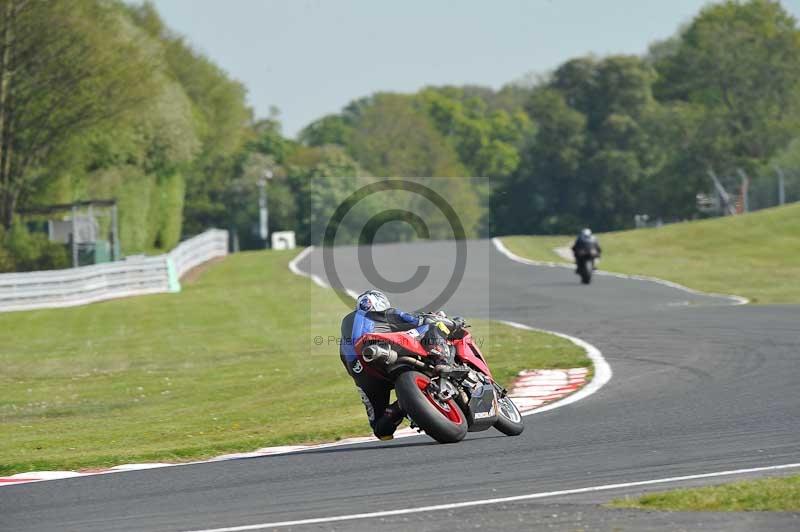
(699, 386)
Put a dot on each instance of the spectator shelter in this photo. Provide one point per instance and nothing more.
(89, 228)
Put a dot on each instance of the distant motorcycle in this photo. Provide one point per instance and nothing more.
(445, 400)
(585, 259)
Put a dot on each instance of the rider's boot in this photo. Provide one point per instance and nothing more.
(389, 421)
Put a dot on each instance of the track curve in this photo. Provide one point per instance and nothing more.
(699, 386)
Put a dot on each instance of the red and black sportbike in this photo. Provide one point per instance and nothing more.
(446, 399)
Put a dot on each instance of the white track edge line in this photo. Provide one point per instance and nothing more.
(602, 373)
(295, 269)
(602, 370)
(499, 500)
(300, 256)
(736, 300)
(601, 377)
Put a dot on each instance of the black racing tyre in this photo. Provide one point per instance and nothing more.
(586, 272)
(509, 420)
(442, 421)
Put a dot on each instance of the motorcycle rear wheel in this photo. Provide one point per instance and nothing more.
(441, 420)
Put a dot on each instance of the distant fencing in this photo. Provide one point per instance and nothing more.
(130, 277)
(195, 251)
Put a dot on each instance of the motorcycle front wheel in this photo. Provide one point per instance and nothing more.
(441, 420)
(509, 419)
(586, 271)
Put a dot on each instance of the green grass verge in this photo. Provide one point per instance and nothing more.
(227, 365)
(772, 494)
(756, 255)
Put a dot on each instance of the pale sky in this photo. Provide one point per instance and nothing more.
(311, 57)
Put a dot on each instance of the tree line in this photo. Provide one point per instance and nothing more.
(100, 99)
(600, 140)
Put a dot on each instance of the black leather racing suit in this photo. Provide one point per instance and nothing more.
(585, 244)
(383, 417)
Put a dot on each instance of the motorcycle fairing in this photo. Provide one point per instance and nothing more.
(408, 340)
(363, 324)
(466, 350)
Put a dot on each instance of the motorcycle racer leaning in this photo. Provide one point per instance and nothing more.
(373, 313)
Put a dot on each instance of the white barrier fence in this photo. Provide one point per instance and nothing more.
(195, 251)
(130, 277)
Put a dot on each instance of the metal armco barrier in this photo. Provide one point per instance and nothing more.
(130, 277)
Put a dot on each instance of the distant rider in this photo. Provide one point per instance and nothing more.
(586, 243)
(374, 313)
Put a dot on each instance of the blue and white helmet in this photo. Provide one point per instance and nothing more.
(372, 300)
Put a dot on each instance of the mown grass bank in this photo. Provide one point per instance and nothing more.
(772, 494)
(229, 364)
(755, 255)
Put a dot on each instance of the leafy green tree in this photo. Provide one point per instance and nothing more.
(486, 141)
(623, 87)
(592, 151)
(219, 122)
(462, 195)
(681, 146)
(321, 179)
(269, 141)
(612, 185)
(741, 63)
(393, 138)
(331, 129)
(576, 81)
(221, 112)
(541, 195)
(58, 86)
(143, 163)
(23, 251)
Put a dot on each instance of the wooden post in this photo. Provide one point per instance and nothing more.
(745, 190)
(115, 245)
(74, 236)
(781, 186)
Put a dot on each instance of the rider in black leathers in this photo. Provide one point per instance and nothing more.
(586, 243)
(373, 314)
